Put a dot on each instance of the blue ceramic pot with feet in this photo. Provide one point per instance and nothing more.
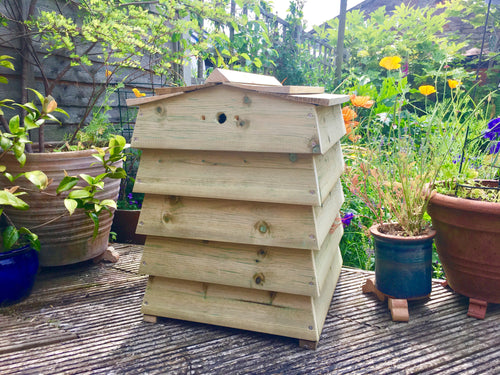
(403, 265)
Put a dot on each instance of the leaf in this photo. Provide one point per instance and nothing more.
(87, 178)
(32, 237)
(93, 216)
(14, 124)
(9, 199)
(79, 194)
(109, 203)
(10, 235)
(70, 205)
(40, 96)
(67, 183)
(37, 178)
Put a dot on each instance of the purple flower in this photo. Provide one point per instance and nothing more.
(130, 196)
(347, 218)
(495, 148)
(493, 131)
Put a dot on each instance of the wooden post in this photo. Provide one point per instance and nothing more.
(340, 40)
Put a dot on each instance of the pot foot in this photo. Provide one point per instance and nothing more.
(109, 255)
(399, 310)
(398, 307)
(477, 308)
(370, 287)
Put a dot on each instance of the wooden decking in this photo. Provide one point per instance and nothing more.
(86, 319)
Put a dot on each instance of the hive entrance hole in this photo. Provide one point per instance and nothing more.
(221, 118)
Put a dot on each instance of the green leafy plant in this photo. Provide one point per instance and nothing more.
(15, 141)
(80, 197)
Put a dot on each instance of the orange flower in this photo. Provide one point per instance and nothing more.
(348, 114)
(108, 73)
(361, 101)
(390, 62)
(137, 93)
(453, 83)
(426, 90)
(354, 138)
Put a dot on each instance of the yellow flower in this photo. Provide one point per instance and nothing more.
(361, 101)
(453, 83)
(137, 93)
(108, 73)
(426, 90)
(390, 62)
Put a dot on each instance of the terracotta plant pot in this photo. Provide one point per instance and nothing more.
(403, 265)
(125, 224)
(468, 244)
(64, 239)
(18, 270)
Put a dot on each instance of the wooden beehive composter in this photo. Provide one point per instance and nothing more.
(241, 182)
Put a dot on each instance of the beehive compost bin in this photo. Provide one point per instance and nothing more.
(242, 198)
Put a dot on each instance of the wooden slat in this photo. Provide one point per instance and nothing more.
(330, 126)
(171, 90)
(317, 99)
(225, 118)
(226, 75)
(262, 311)
(263, 177)
(289, 90)
(295, 271)
(21, 335)
(252, 223)
(132, 102)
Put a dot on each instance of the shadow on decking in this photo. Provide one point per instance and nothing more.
(86, 319)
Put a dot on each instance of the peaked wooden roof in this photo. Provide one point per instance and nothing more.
(262, 84)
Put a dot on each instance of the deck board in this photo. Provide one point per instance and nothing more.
(86, 319)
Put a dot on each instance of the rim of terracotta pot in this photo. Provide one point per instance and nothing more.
(375, 232)
(465, 204)
(59, 154)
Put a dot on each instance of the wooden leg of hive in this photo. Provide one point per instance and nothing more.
(306, 344)
(477, 308)
(370, 287)
(150, 318)
(399, 309)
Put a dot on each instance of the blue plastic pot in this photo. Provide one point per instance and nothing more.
(403, 265)
(18, 269)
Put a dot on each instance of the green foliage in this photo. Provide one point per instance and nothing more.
(79, 197)
(83, 197)
(14, 141)
(295, 65)
(412, 33)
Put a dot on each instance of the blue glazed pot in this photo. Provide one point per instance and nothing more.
(18, 269)
(403, 265)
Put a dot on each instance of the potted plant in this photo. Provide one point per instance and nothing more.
(465, 212)
(129, 204)
(80, 191)
(394, 155)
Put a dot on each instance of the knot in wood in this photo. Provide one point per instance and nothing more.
(259, 278)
